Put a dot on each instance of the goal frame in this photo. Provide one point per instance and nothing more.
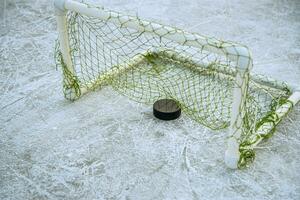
(239, 54)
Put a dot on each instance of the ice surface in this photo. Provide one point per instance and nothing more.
(105, 146)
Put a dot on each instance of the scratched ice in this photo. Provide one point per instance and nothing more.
(105, 146)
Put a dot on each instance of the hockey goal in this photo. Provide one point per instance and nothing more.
(146, 61)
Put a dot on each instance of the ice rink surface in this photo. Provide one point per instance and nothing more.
(105, 146)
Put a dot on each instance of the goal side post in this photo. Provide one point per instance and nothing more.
(232, 153)
(71, 86)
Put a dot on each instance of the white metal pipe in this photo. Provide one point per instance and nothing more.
(232, 153)
(280, 113)
(64, 42)
(234, 52)
(63, 38)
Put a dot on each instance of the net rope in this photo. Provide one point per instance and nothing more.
(147, 67)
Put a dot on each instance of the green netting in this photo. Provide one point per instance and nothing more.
(146, 67)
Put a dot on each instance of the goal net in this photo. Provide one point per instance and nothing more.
(146, 61)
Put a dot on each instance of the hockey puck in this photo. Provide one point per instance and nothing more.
(166, 109)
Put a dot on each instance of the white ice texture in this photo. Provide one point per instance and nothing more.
(105, 146)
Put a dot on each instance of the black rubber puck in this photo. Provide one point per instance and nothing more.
(166, 109)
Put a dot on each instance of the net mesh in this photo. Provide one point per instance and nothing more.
(146, 67)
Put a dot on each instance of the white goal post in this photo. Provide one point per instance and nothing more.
(237, 54)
